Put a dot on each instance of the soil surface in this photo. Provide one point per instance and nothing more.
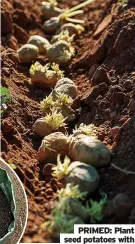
(104, 71)
(6, 216)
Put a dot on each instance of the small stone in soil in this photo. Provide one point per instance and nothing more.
(6, 216)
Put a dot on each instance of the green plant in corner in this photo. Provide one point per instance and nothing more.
(5, 99)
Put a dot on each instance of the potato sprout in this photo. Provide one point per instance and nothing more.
(71, 191)
(47, 104)
(55, 120)
(96, 210)
(61, 169)
(52, 145)
(60, 52)
(55, 100)
(50, 123)
(89, 150)
(61, 102)
(50, 10)
(27, 53)
(40, 42)
(71, 28)
(64, 35)
(54, 23)
(83, 175)
(88, 130)
(45, 76)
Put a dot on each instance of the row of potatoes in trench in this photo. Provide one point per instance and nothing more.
(80, 178)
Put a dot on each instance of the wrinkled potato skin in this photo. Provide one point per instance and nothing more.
(89, 150)
(40, 42)
(41, 128)
(67, 87)
(57, 52)
(28, 53)
(58, 145)
(77, 177)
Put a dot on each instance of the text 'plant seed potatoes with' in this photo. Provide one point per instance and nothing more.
(50, 123)
(60, 52)
(28, 53)
(40, 42)
(50, 10)
(83, 175)
(89, 150)
(66, 86)
(45, 76)
(52, 145)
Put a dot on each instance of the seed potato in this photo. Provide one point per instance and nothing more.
(45, 76)
(52, 145)
(28, 53)
(72, 29)
(89, 150)
(86, 176)
(66, 86)
(51, 25)
(60, 52)
(40, 42)
(50, 10)
(41, 128)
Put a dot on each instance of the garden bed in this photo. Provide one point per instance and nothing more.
(103, 70)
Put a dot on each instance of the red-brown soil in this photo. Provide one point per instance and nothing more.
(104, 71)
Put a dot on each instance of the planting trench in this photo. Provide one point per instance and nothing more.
(104, 71)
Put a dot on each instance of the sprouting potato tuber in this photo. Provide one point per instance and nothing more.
(73, 207)
(50, 123)
(72, 29)
(28, 53)
(40, 42)
(71, 190)
(45, 76)
(66, 86)
(61, 102)
(86, 176)
(89, 150)
(50, 10)
(60, 52)
(52, 145)
(88, 130)
(54, 23)
(63, 35)
(51, 25)
(41, 128)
